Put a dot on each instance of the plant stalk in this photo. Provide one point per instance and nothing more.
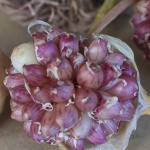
(111, 15)
(103, 10)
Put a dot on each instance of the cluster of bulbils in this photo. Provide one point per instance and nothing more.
(66, 91)
(141, 23)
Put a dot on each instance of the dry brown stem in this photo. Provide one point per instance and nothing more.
(111, 15)
(72, 15)
(4, 63)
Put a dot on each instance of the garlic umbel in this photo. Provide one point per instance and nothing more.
(75, 90)
(141, 23)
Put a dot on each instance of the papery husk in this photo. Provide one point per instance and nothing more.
(120, 141)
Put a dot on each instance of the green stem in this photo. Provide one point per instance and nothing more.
(104, 9)
(111, 15)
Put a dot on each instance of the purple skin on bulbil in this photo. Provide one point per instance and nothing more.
(72, 97)
(141, 22)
